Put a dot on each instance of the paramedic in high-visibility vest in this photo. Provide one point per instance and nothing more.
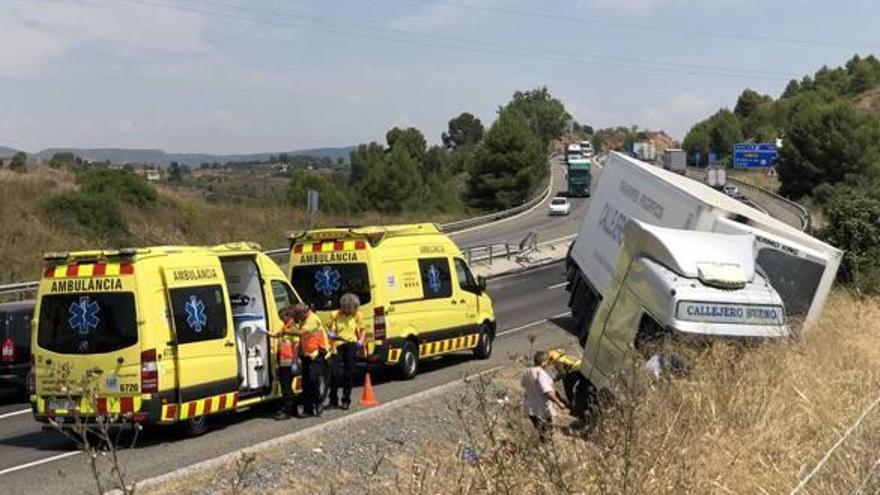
(314, 346)
(347, 332)
(287, 357)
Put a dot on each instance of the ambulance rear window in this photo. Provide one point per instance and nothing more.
(87, 323)
(322, 285)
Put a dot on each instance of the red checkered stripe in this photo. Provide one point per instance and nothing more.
(99, 269)
(329, 246)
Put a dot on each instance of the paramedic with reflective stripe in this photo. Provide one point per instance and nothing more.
(314, 350)
(347, 331)
(286, 356)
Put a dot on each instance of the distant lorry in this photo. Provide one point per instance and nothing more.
(800, 268)
(675, 160)
(659, 255)
(587, 150)
(579, 177)
(716, 177)
(645, 151)
(573, 152)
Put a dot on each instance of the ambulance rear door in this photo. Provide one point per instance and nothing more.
(201, 317)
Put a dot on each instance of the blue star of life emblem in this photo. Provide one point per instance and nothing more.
(195, 314)
(83, 315)
(327, 280)
(434, 279)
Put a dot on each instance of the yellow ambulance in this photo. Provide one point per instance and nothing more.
(164, 334)
(418, 296)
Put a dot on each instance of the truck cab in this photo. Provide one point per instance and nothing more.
(662, 285)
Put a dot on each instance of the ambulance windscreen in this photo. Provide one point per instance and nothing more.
(321, 286)
(87, 323)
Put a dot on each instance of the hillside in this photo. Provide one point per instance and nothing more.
(180, 216)
(163, 158)
(6, 152)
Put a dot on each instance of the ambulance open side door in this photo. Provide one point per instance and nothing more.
(207, 365)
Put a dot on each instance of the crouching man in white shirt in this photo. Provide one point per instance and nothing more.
(541, 400)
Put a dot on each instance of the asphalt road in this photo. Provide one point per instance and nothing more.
(530, 303)
(537, 220)
(34, 461)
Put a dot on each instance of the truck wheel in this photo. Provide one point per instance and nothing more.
(484, 345)
(194, 427)
(409, 361)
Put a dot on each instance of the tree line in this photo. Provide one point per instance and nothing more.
(473, 169)
(830, 128)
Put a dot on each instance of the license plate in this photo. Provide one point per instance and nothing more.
(55, 404)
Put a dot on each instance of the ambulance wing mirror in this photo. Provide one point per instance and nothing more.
(481, 283)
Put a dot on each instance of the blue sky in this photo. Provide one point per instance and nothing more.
(261, 75)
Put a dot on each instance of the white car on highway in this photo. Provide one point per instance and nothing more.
(560, 206)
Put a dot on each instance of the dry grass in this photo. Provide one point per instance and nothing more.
(181, 218)
(747, 420)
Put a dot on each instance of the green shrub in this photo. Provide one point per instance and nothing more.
(854, 226)
(92, 215)
(119, 185)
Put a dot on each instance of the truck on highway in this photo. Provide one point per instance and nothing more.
(659, 255)
(579, 177)
(573, 152)
(716, 177)
(587, 150)
(675, 160)
(798, 266)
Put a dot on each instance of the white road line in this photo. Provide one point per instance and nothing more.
(37, 462)
(14, 413)
(557, 286)
(532, 324)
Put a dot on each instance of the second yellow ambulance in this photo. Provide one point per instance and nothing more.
(419, 298)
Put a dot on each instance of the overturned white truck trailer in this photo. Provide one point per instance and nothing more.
(660, 252)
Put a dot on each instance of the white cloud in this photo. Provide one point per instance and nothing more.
(677, 115)
(634, 7)
(430, 18)
(37, 33)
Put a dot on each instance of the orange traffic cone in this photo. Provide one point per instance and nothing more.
(367, 398)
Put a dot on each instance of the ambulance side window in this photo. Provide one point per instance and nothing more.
(283, 295)
(199, 313)
(466, 279)
(436, 279)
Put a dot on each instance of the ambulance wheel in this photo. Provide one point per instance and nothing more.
(484, 345)
(194, 427)
(409, 361)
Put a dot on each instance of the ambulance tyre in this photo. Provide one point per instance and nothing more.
(194, 427)
(409, 361)
(484, 345)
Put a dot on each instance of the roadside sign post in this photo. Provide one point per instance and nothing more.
(312, 205)
(749, 156)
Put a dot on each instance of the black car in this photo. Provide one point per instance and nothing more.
(15, 344)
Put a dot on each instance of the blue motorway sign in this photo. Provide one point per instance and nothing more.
(748, 155)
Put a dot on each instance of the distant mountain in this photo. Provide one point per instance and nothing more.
(161, 158)
(7, 152)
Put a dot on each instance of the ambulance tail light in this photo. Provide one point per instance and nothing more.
(379, 323)
(149, 372)
(7, 352)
